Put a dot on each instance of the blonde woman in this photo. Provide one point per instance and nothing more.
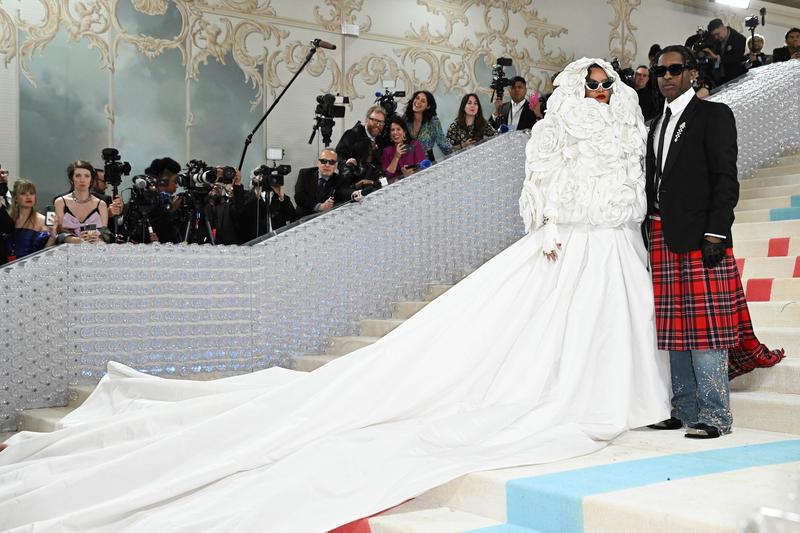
(30, 232)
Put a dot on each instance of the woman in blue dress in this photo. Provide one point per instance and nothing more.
(30, 232)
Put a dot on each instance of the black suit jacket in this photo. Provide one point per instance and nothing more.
(306, 195)
(781, 54)
(526, 118)
(732, 56)
(699, 187)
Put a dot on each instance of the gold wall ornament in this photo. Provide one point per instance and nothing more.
(293, 56)
(251, 8)
(152, 47)
(208, 40)
(372, 69)
(90, 23)
(452, 12)
(8, 37)
(341, 12)
(39, 35)
(151, 7)
(622, 39)
(250, 64)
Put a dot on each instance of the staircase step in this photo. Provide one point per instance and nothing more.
(378, 327)
(409, 518)
(765, 230)
(435, 290)
(769, 192)
(768, 267)
(761, 203)
(789, 160)
(765, 247)
(764, 290)
(781, 314)
(344, 345)
(783, 378)
(769, 411)
(783, 175)
(768, 215)
(407, 309)
(44, 419)
(780, 170)
(786, 338)
(78, 395)
(311, 362)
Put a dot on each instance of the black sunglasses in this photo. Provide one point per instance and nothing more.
(327, 161)
(673, 69)
(594, 85)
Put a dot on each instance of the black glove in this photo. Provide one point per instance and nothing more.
(713, 253)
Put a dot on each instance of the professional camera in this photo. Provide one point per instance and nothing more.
(327, 109)
(270, 176)
(499, 80)
(751, 22)
(386, 99)
(702, 40)
(144, 202)
(113, 168)
(625, 74)
(199, 176)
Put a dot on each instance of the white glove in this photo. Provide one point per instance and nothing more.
(550, 239)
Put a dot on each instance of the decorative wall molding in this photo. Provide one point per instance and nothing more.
(776, 14)
(622, 38)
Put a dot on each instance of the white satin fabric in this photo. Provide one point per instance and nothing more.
(523, 362)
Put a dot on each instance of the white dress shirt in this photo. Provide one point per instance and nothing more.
(514, 113)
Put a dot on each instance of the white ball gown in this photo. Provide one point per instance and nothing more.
(525, 361)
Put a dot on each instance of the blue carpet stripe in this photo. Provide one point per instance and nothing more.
(554, 502)
(795, 200)
(784, 213)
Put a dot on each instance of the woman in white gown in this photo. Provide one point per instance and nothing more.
(527, 360)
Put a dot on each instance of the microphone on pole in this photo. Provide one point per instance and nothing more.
(319, 43)
(763, 12)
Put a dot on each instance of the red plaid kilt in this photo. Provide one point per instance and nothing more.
(699, 308)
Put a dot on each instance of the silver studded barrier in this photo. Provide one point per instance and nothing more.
(199, 311)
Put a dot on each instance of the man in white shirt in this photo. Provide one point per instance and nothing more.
(516, 114)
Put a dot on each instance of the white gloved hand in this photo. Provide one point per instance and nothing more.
(550, 241)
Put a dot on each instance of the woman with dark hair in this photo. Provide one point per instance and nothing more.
(469, 126)
(30, 232)
(424, 125)
(78, 212)
(402, 157)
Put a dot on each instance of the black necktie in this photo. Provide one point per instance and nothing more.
(320, 187)
(660, 155)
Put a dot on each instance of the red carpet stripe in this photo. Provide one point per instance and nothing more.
(740, 266)
(758, 290)
(778, 247)
(796, 273)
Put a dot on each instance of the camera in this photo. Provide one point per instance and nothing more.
(200, 176)
(328, 108)
(499, 80)
(625, 74)
(386, 99)
(352, 172)
(113, 167)
(271, 176)
(751, 22)
(703, 40)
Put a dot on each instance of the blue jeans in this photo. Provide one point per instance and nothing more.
(700, 388)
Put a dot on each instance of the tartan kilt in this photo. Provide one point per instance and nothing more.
(699, 308)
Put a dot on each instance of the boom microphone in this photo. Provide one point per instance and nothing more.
(319, 43)
(763, 12)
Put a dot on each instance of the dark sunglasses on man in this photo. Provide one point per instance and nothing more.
(327, 161)
(674, 69)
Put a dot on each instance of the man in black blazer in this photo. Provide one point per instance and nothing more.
(516, 114)
(319, 188)
(728, 56)
(792, 48)
(701, 313)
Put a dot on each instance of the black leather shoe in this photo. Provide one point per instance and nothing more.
(669, 423)
(702, 431)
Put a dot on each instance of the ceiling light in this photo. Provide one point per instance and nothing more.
(744, 4)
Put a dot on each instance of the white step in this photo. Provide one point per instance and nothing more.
(768, 411)
(783, 289)
(781, 314)
(309, 363)
(768, 267)
(378, 327)
(412, 517)
(761, 203)
(776, 337)
(42, 420)
(779, 176)
(406, 310)
(345, 345)
(769, 192)
(789, 160)
(78, 395)
(435, 290)
(760, 248)
(765, 230)
(783, 378)
(780, 170)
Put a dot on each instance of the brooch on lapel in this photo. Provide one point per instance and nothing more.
(678, 133)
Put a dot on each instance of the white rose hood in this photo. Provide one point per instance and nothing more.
(584, 159)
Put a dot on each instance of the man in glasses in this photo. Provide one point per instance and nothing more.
(726, 58)
(319, 188)
(701, 313)
(372, 130)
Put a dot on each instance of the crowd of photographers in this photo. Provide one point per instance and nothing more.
(215, 208)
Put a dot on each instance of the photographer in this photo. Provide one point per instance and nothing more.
(516, 114)
(225, 206)
(319, 189)
(372, 130)
(792, 48)
(361, 173)
(756, 57)
(152, 214)
(5, 194)
(115, 205)
(728, 51)
(257, 217)
(647, 100)
(403, 157)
